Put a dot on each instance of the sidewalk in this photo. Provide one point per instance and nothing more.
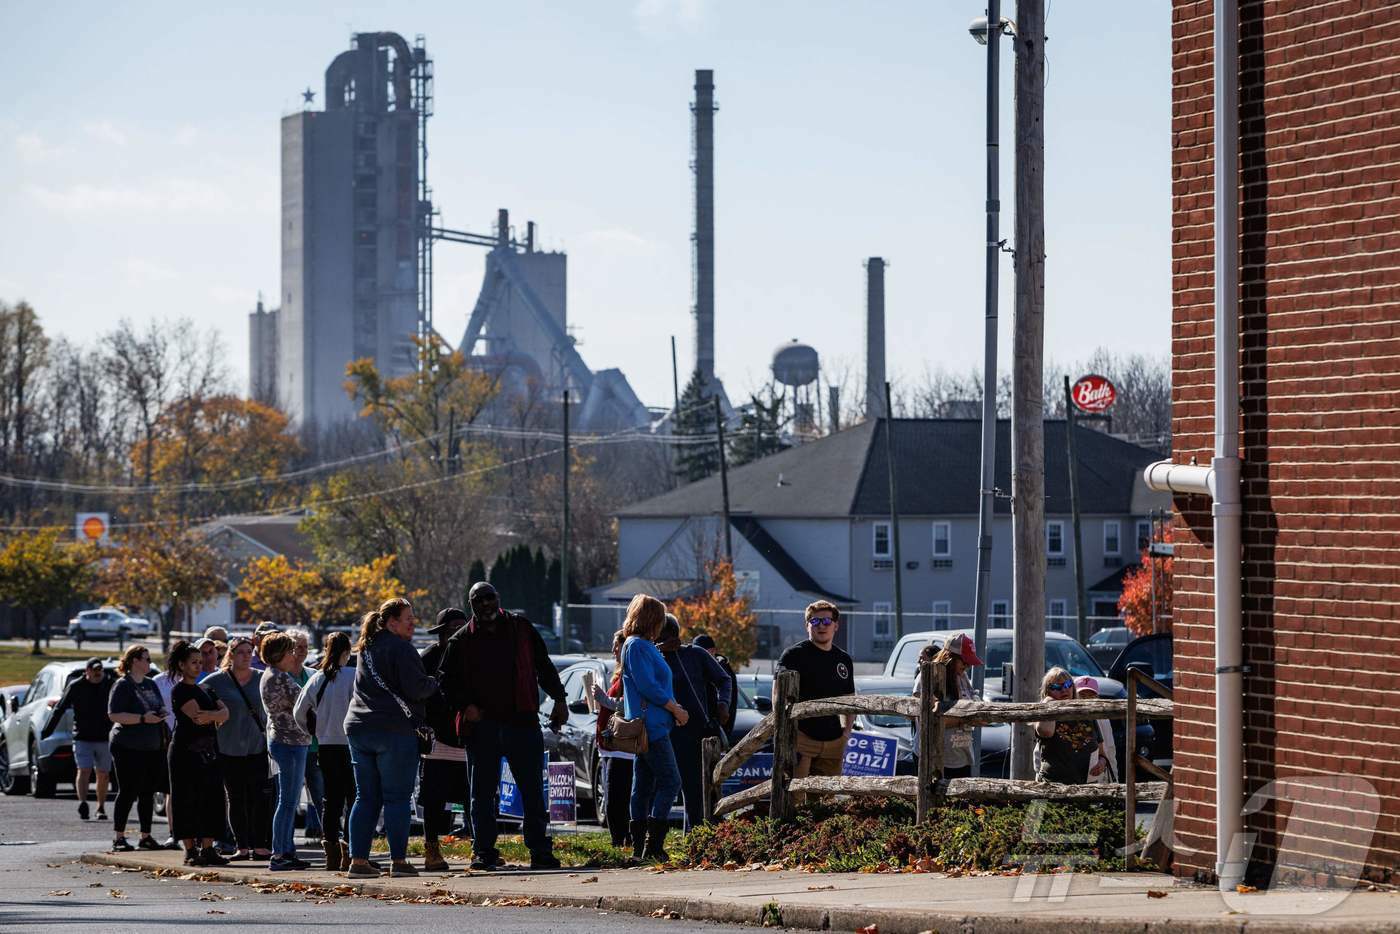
(898, 903)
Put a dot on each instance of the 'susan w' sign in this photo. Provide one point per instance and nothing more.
(1093, 393)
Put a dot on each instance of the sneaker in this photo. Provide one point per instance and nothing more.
(210, 857)
(361, 871)
(101, 814)
(486, 863)
(120, 845)
(171, 844)
(83, 810)
(242, 856)
(296, 862)
(280, 864)
(545, 861)
(148, 843)
(192, 858)
(401, 868)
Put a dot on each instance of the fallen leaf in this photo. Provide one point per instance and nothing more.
(869, 929)
(116, 893)
(1156, 893)
(820, 888)
(96, 885)
(213, 897)
(217, 911)
(1246, 889)
(58, 892)
(588, 880)
(731, 866)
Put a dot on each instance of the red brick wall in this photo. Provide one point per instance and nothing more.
(1320, 383)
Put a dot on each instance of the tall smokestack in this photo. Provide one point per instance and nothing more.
(703, 238)
(875, 337)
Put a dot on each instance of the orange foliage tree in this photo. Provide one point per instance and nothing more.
(314, 596)
(1135, 603)
(721, 611)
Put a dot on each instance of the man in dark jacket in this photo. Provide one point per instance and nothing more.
(707, 642)
(88, 698)
(694, 674)
(443, 771)
(495, 667)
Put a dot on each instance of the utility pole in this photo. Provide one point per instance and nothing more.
(894, 519)
(1027, 378)
(1081, 618)
(724, 483)
(987, 483)
(675, 385)
(564, 544)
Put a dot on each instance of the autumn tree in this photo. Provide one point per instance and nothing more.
(1135, 604)
(722, 612)
(39, 573)
(314, 596)
(163, 569)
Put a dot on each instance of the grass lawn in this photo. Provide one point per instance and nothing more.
(17, 666)
(581, 850)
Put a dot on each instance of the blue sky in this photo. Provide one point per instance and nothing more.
(139, 148)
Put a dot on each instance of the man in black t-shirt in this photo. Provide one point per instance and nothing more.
(824, 671)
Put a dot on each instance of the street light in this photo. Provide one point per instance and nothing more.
(980, 31)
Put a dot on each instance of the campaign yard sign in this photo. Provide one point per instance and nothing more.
(757, 770)
(563, 803)
(869, 754)
(509, 803)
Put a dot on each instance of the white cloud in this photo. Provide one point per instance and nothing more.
(143, 272)
(171, 196)
(32, 148)
(105, 131)
(659, 17)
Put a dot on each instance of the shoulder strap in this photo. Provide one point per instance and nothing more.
(262, 724)
(322, 692)
(373, 673)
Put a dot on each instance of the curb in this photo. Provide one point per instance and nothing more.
(807, 917)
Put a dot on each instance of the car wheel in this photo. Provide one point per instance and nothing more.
(40, 785)
(10, 782)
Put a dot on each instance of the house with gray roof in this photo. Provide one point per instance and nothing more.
(237, 540)
(813, 522)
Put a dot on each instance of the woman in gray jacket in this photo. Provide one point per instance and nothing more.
(320, 710)
(243, 750)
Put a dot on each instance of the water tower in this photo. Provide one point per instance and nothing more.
(797, 365)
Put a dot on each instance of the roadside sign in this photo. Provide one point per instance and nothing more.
(1093, 393)
(563, 802)
(757, 770)
(870, 754)
(93, 527)
(509, 802)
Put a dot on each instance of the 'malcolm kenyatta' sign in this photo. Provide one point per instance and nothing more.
(1093, 393)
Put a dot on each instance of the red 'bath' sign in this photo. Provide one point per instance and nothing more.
(1093, 393)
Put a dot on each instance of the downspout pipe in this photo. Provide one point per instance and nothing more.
(1221, 480)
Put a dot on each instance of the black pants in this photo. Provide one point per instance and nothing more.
(523, 749)
(685, 740)
(339, 783)
(197, 796)
(618, 796)
(440, 782)
(140, 774)
(249, 799)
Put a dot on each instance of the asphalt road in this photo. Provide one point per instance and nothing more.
(40, 841)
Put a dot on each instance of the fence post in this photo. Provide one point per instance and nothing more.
(1130, 773)
(710, 753)
(784, 743)
(930, 724)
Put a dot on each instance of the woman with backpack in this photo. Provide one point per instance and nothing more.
(320, 710)
(242, 742)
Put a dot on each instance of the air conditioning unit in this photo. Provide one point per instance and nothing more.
(882, 564)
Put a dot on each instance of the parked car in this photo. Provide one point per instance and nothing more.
(1153, 655)
(107, 622)
(557, 646)
(759, 688)
(1060, 650)
(27, 762)
(1105, 644)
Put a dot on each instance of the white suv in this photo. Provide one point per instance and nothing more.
(107, 623)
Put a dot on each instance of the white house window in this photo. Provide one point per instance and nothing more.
(1144, 534)
(881, 547)
(882, 621)
(1111, 537)
(1055, 539)
(1059, 613)
(942, 540)
(942, 614)
(1001, 613)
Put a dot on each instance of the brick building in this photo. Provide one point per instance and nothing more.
(1319, 321)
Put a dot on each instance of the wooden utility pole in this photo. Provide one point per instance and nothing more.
(894, 521)
(564, 543)
(1027, 377)
(724, 484)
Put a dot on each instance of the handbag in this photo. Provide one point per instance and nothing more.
(623, 735)
(423, 732)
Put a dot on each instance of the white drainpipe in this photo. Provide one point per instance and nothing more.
(1221, 480)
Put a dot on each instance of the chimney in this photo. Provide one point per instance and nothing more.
(703, 237)
(875, 337)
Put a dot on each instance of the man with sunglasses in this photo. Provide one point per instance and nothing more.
(824, 670)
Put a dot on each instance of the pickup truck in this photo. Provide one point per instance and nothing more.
(107, 623)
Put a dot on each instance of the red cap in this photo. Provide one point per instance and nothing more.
(962, 646)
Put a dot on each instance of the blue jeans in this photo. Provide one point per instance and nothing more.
(386, 766)
(523, 749)
(291, 775)
(655, 780)
(315, 792)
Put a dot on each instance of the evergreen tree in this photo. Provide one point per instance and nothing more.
(695, 418)
(758, 434)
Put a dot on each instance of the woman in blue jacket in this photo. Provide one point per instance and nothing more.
(646, 692)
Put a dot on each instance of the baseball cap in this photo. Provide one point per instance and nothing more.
(446, 618)
(203, 642)
(704, 640)
(961, 646)
(1086, 683)
(93, 663)
(265, 627)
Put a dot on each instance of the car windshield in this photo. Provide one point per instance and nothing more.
(745, 701)
(888, 721)
(1059, 653)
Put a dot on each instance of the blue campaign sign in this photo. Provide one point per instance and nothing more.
(757, 770)
(869, 754)
(508, 793)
